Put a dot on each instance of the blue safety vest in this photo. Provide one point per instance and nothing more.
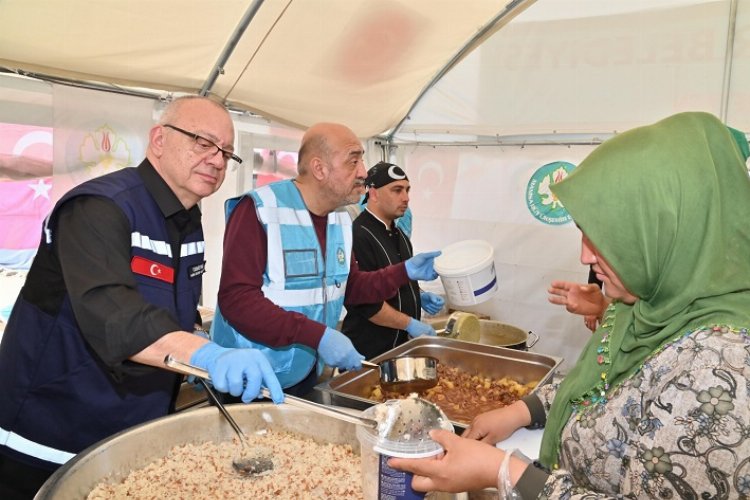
(58, 397)
(297, 276)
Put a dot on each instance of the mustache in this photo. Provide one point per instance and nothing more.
(359, 182)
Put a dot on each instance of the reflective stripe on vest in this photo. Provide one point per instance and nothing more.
(303, 298)
(36, 450)
(144, 242)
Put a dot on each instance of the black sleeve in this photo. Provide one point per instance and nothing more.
(93, 244)
(536, 409)
(531, 483)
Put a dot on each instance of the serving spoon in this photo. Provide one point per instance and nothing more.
(248, 464)
(202, 374)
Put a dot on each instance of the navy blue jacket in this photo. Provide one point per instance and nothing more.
(58, 397)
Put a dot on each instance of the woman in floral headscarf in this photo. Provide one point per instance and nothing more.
(658, 404)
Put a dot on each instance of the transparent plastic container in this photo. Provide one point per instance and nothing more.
(381, 482)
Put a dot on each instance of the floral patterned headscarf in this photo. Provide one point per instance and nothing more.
(668, 207)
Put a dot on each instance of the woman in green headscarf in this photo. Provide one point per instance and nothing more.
(658, 404)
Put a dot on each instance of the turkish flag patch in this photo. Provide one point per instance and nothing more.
(146, 267)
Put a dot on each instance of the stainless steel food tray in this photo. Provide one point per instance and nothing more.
(352, 389)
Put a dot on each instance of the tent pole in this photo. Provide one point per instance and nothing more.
(521, 141)
(727, 81)
(512, 9)
(218, 68)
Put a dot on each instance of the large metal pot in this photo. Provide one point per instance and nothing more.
(140, 445)
(466, 326)
(503, 335)
(135, 448)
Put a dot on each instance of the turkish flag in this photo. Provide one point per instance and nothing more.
(432, 175)
(146, 267)
(25, 184)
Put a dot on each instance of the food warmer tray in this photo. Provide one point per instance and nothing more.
(352, 389)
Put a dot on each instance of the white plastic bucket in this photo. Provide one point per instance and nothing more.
(467, 270)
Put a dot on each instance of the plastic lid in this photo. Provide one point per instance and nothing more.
(393, 452)
(464, 326)
(464, 257)
(401, 448)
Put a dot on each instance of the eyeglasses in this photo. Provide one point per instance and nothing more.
(204, 146)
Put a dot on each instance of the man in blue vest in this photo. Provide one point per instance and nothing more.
(288, 263)
(113, 289)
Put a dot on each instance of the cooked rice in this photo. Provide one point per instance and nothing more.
(303, 468)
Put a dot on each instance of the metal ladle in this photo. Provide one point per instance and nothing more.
(248, 465)
(405, 420)
(406, 374)
(202, 374)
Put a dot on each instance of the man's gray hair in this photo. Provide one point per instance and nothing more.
(173, 108)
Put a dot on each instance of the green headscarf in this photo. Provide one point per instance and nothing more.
(741, 140)
(668, 207)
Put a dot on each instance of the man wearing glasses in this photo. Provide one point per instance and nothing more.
(113, 289)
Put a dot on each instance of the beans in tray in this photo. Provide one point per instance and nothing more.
(462, 395)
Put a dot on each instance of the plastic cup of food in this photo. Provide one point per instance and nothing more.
(380, 480)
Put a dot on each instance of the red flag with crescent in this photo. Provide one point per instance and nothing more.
(146, 267)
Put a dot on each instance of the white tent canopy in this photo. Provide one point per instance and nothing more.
(358, 62)
(561, 66)
(591, 67)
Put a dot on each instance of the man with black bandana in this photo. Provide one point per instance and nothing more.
(378, 243)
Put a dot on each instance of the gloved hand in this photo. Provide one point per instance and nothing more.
(338, 351)
(420, 267)
(238, 371)
(431, 302)
(417, 329)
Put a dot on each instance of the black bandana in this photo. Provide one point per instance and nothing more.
(382, 174)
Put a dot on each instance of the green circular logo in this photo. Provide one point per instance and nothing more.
(544, 205)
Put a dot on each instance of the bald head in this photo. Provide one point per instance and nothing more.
(331, 167)
(320, 141)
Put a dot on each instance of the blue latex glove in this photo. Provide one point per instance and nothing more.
(417, 329)
(420, 267)
(337, 350)
(238, 371)
(431, 302)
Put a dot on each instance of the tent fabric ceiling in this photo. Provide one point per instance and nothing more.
(593, 68)
(361, 62)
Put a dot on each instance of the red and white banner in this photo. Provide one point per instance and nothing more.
(25, 184)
